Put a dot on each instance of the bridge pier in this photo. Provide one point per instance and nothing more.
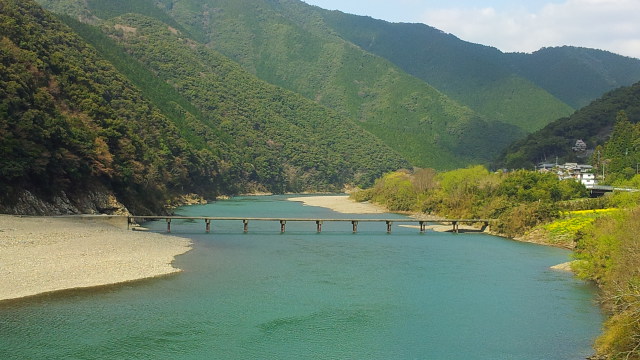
(168, 225)
(456, 227)
(245, 224)
(354, 226)
(319, 226)
(389, 226)
(208, 225)
(282, 225)
(423, 227)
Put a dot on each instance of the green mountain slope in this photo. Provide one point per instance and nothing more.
(70, 121)
(593, 124)
(472, 74)
(271, 126)
(189, 120)
(418, 121)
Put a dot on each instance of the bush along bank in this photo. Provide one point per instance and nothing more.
(519, 200)
(608, 253)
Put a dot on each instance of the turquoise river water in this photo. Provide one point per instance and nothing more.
(334, 295)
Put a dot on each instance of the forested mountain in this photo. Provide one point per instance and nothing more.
(592, 124)
(527, 90)
(421, 123)
(290, 143)
(439, 101)
(70, 122)
(290, 44)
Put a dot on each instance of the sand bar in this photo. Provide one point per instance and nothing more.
(563, 267)
(340, 203)
(445, 228)
(45, 254)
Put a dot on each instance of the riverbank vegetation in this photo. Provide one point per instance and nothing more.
(519, 200)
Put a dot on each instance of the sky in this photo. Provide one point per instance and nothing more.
(515, 25)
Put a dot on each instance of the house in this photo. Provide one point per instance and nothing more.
(579, 146)
(579, 172)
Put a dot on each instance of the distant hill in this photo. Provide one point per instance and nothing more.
(523, 89)
(475, 75)
(186, 120)
(575, 75)
(592, 124)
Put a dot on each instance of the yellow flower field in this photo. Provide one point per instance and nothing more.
(566, 228)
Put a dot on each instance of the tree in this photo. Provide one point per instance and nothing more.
(623, 148)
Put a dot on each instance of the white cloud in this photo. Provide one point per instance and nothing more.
(603, 24)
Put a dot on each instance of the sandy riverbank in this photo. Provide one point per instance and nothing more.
(340, 203)
(44, 254)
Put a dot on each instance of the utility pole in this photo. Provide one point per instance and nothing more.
(600, 163)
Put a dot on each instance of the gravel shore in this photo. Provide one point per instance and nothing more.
(45, 254)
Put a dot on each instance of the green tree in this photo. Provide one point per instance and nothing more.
(623, 147)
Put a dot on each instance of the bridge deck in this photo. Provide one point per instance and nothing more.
(283, 221)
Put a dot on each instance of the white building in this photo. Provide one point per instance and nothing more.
(581, 173)
(588, 179)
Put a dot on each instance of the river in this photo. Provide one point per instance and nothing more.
(333, 295)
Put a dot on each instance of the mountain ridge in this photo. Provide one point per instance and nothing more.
(285, 44)
(411, 45)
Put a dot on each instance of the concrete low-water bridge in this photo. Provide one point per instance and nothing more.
(455, 223)
(600, 190)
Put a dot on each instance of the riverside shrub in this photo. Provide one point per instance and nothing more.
(609, 254)
(520, 200)
(517, 220)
